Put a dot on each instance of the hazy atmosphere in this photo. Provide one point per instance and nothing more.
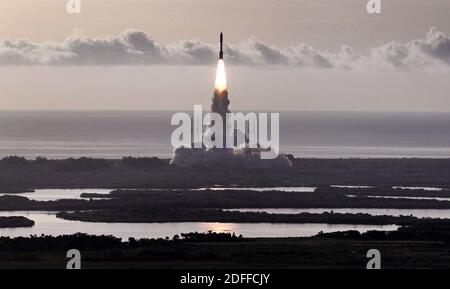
(160, 55)
(225, 143)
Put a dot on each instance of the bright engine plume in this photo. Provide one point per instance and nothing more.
(225, 157)
(221, 77)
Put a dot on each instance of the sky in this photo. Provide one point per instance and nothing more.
(280, 54)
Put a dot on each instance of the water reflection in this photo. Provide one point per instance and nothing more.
(420, 188)
(401, 197)
(351, 187)
(62, 194)
(265, 189)
(59, 194)
(46, 223)
(219, 227)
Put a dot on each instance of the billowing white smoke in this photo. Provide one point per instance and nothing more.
(238, 157)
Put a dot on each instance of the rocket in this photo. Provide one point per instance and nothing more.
(221, 46)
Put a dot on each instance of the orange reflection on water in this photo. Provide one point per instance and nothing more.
(219, 227)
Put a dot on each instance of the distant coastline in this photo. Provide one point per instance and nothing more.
(18, 174)
(305, 134)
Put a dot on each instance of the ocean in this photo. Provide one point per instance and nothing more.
(115, 134)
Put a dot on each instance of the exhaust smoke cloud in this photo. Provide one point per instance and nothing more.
(241, 155)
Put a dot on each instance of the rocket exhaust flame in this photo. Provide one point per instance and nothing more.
(223, 155)
(220, 102)
(221, 78)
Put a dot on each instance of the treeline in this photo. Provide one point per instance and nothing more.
(431, 230)
(84, 163)
(15, 222)
(267, 199)
(384, 191)
(214, 215)
(19, 173)
(105, 242)
(153, 162)
(178, 199)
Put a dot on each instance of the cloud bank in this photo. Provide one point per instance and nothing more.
(136, 47)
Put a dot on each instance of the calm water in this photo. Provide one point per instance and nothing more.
(47, 223)
(419, 213)
(59, 194)
(431, 189)
(306, 134)
(351, 187)
(265, 189)
(403, 198)
(62, 194)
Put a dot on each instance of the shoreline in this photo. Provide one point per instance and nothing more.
(406, 249)
(18, 174)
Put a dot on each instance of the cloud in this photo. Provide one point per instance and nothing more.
(432, 50)
(136, 47)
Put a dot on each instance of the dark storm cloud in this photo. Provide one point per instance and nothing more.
(135, 47)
